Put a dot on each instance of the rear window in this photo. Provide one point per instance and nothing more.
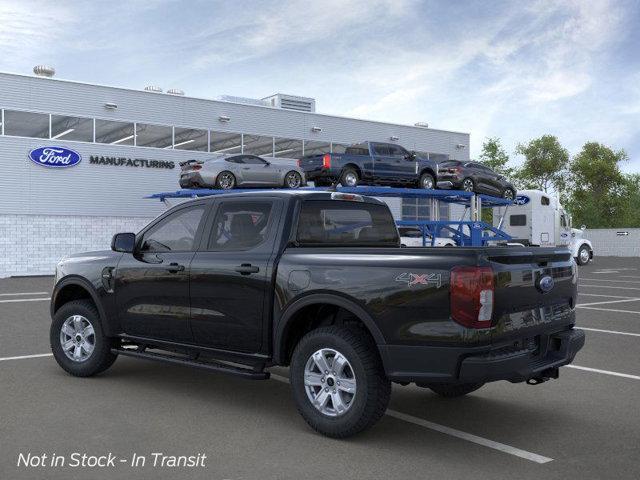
(517, 220)
(336, 222)
(450, 163)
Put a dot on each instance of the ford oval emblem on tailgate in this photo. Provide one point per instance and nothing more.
(545, 284)
(56, 157)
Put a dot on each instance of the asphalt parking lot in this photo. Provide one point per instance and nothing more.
(584, 425)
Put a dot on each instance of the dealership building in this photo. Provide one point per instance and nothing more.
(129, 144)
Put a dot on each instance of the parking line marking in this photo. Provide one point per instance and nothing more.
(601, 295)
(607, 309)
(607, 280)
(22, 293)
(606, 372)
(23, 357)
(16, 300)
(608, 286)
(610, 331)
(610, 301)
(469, 437)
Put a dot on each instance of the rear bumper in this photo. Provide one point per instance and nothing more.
(428, 364)
(192, 179)
(320, 173)
(449, 184)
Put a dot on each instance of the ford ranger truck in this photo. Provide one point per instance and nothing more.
(371, 163)
(317, 282)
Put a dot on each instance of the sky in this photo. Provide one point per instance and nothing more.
(514, 70)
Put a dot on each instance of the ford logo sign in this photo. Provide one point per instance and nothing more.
(521, 200)
(56, 157)
(545, 284)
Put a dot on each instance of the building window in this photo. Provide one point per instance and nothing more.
(72, 128)
(258, 145)
(26, 124)
(157, 136)
(190, 139)
(114, 133)
(316, 148)
(225, 142)
(287, 148)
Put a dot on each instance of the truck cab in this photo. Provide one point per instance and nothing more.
(538, 219)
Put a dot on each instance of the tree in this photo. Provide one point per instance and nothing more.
(545, 164)
(600, 193)
(495, 157)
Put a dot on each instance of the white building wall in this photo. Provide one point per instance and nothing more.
(612, 242)
(33, 244)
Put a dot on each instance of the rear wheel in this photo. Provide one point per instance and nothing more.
(338, 381)
(292, 179)
(225, 181)
(78, 342)
(427, 181)
(584, 255)
(349, 178)
(468, 185)
(454, 390)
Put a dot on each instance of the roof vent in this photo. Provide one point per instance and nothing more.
(422, 124)
(153, 88)
(292, 102)
(175, 91)
(44, 71)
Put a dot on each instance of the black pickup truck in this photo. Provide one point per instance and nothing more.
(317, 281)
(371, 163)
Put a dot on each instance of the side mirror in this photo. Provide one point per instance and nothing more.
(583, 227)
(123, 242)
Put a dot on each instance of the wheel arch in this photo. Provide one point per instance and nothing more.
(430, 171)
(353, 166)
(78, 288)
(285, 332)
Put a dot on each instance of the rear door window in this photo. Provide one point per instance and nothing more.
(381, 150)
(335, 222)
(240, 225)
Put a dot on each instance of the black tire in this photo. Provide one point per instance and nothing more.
(287, 183)
(100, 359)
(468, 185)
(373, 388)
(220, 181)
(427, 179)
(581, 255)
(509, 194)
(347, 173)
(454, 390)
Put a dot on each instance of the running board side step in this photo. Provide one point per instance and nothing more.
(211, 366)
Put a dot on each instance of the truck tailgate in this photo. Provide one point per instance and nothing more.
(535, 291)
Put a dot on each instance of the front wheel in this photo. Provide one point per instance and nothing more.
(338, 381)
(427, 182)
(78, 342)
(584, 255)
(454, 390)
(292, 179)
(508, 194)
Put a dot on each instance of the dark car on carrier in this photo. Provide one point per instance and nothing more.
(474, 177)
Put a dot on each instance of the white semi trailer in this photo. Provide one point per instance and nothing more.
(538, 219)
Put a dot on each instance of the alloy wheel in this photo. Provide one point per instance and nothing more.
(226, 181)
(330, 382)
(427, 182)
(584, 255)
(351, 179)
(293, 180)
(467, 185)
(508, 194)
(77, 338)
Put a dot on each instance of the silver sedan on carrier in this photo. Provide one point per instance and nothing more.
(241, 170)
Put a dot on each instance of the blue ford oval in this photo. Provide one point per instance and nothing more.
(546, 284)
(56, 157)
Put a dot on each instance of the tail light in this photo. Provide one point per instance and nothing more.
(326, 161)
(472, 292)
(196, 167)
(299, 163)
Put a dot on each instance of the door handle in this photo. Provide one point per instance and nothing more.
(247, 269)
(246, 168)
(175, 268)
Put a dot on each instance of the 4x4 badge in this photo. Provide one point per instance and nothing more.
(412, 279)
